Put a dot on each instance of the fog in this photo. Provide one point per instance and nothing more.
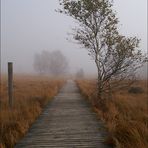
(30, 26)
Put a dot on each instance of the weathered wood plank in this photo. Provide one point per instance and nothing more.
(67, 122)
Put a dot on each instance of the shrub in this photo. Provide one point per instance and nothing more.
(136, 90)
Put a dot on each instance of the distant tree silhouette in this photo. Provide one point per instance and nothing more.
(51, 63)
(80, 74)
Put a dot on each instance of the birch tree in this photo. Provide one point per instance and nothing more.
(116, 57)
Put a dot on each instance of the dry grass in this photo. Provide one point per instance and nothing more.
(127, 115)
(31, 94)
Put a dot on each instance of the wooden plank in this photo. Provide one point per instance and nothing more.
(67, 122)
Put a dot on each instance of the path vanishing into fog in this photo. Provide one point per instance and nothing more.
(67, 122)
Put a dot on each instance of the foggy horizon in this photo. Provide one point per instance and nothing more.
(29, 27)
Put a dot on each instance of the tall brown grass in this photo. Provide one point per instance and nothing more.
(126, 117)
(31, 94)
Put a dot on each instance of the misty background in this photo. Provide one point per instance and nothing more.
(31, 26)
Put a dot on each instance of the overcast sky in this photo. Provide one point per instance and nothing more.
(30, 26)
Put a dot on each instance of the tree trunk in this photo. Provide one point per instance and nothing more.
(101, 102)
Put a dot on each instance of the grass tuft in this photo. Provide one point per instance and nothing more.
(126, 117)
(31, 94)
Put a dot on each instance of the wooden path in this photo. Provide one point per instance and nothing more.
(67, 122)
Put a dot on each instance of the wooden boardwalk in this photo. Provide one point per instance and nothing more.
(67, 122)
